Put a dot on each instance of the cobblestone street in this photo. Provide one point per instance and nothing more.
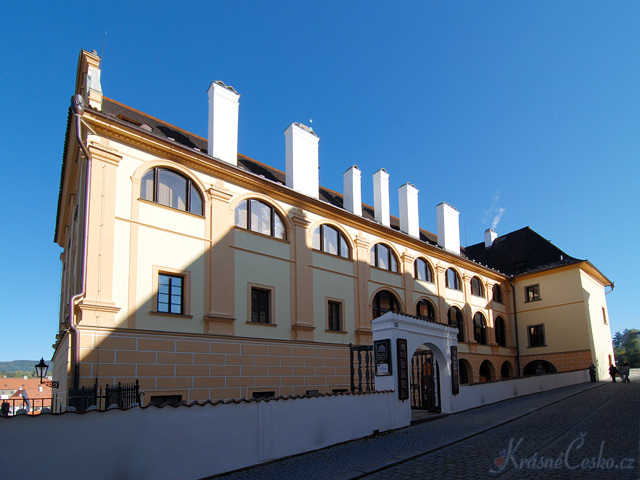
(582, 431)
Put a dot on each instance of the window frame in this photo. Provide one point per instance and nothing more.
(190, 187)
(458, 282)
(459, 322)
(273, 213)
(532, 293)
(500, 332)
(480, 328)
(186, 290)
(340, 304)
(270, 311)
(539, 336)
(426, 301)
(477, 287)
(376, 299)
(342, 238)
(428, 270)
(497, 298)
(392, 258)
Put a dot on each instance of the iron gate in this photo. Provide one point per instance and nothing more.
(361, 357)
(425, 382)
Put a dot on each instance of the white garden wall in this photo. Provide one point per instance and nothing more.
(187, 442)
(472, 396)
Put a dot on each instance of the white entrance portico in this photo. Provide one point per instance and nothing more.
(437, 337)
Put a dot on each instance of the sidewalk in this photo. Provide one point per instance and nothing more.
(358, 457)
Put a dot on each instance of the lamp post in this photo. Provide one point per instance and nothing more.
(41, 372)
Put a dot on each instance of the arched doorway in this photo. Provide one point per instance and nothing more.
(506, 371)
(539, 367)
(487, 372)
(425, 380)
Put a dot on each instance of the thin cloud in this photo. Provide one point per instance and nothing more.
(494, 213)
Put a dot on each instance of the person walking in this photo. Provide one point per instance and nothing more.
(592, 372)
(613, 371)
(624, 372)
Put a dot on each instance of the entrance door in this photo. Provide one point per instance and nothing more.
(425, 382)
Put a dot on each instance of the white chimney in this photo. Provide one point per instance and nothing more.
(223, 122)
(408, 202)
(301, 150)
(489, 237)
(381, 196)
(448, 227)
(353, 190)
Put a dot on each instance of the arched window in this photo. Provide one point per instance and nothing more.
(172, 189)
(486, 371)
(258, 216)
(506, 371)
(329, 239)
(425, 310)
(497, 294)
(383, 257)
(423, 270)
(452, 279)
(476, 287)
(454, 315)
(384, 302)
(501, 332)
(464, 371)
(480, 328)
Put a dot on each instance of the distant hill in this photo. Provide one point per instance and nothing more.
(18, 368)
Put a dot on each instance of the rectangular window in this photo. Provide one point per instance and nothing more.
(536, 335)
(260, 305)
(532, 293)
(170, 293)
(334, 311)
(604, 315)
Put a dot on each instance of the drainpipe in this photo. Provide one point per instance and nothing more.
(77, 104)
(515, 324)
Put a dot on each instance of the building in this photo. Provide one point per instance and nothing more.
(206, 274)
(24, 393)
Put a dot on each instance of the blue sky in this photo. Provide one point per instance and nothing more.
(525, 112)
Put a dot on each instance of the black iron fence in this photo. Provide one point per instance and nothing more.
(120, 395)
(362, 379)
(31, 406)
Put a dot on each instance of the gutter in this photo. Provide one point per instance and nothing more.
(77, 105)
(515, 324)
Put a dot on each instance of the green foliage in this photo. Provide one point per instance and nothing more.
(17, 374)
(626, 347)
(18, 369)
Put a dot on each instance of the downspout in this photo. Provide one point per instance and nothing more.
(515, 324)
(77, 104)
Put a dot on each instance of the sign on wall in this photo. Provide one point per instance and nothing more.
(382, 352)
(403, 369)
(455, 381)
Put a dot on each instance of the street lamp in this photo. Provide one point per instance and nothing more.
(41, 372)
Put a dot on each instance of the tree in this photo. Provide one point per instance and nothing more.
(632, 348)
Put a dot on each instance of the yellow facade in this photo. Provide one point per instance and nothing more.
(213, 349)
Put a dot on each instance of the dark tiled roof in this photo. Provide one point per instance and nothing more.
(520, 252)
(149, 124)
